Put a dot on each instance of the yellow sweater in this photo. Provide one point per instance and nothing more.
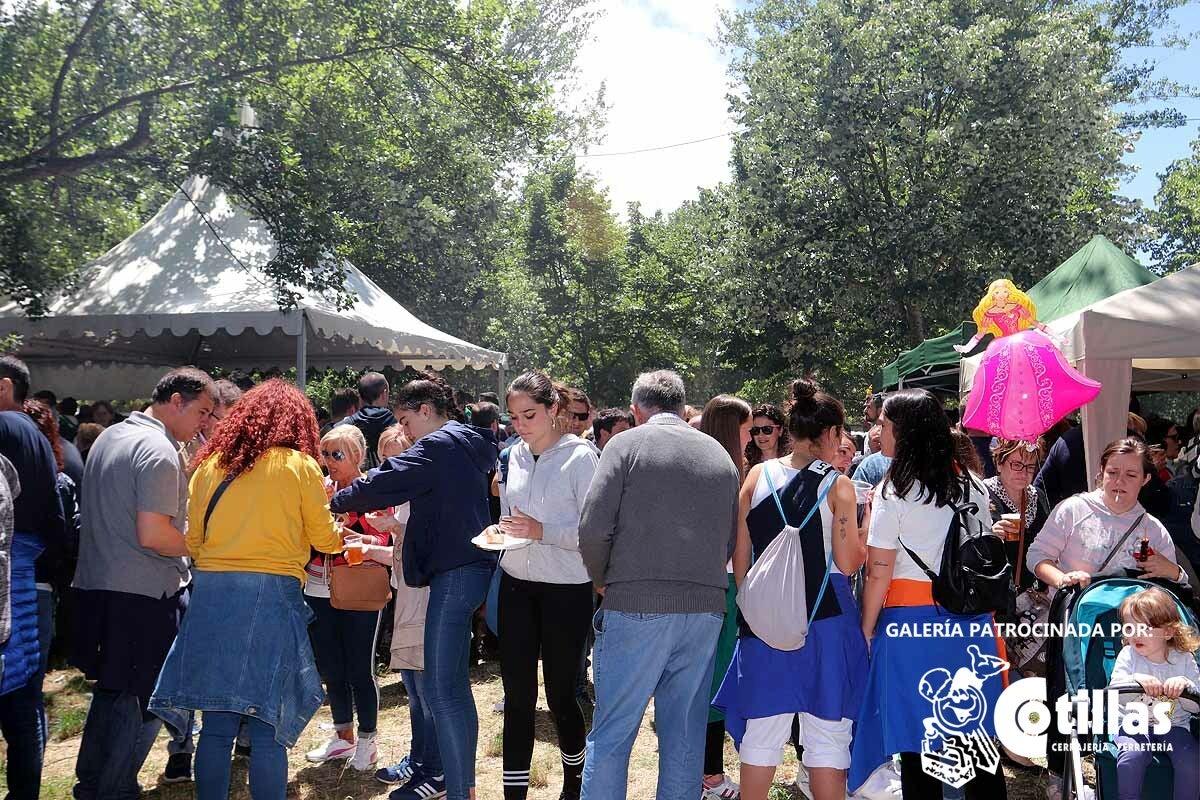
(267, 519)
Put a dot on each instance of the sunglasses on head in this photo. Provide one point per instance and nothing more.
(581, 415)
(336, 455)
(764, 430)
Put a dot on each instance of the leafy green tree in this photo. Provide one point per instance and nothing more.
(1177, 217)
(383, 128)
(896, 156)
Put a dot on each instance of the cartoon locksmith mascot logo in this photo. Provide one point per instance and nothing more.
(955, 743)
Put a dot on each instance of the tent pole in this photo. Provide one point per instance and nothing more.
(302, 354)
(500, 386)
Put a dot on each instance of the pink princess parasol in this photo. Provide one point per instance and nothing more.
(1023, 387)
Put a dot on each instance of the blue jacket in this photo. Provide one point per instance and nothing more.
(444, 479)
(22, 654)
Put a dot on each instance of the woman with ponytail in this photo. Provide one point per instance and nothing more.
(444, 478)
(765, 690)
(545, 600)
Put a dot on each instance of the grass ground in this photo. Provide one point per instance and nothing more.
(66, 698)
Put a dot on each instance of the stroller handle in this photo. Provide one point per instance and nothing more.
(1190, 695)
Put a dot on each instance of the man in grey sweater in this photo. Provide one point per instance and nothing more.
(656, 531)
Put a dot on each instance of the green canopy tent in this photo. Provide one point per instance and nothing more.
(1097, 270)
(933, 364)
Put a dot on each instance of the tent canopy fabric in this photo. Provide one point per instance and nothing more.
(187, 288)
(1097, 270)
(934, 362)
(1142, 339)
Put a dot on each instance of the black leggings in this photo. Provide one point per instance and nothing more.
(916, 784)
(551, 619)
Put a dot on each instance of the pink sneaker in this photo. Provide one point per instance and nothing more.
(335, 748)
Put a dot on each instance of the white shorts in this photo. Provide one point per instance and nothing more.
(826, 744)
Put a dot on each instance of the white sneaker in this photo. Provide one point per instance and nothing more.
(725, 790)
(335, 748)
(365, 755)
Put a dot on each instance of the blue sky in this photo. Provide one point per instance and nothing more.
(666, 83)
(1158, 147)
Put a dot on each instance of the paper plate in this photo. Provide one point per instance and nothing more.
(509, 543)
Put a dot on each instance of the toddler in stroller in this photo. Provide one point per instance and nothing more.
(1160, 657)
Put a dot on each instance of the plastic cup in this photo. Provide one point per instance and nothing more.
(1015, 534)
(862, 490)
(354, 554)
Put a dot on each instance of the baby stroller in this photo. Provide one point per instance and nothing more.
(1087, 663)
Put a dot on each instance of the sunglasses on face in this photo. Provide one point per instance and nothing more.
(582, 416)
(336, 455)
(765, 430)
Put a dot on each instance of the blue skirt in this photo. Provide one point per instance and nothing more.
(822, 678)
(915, 668)
(242, 647)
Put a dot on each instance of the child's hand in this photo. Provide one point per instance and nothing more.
(1150, 685)
(1176, 686)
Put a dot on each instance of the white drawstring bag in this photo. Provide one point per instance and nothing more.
(773, 598)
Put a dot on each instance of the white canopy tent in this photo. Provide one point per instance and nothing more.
(187, 288)
(1145, 339)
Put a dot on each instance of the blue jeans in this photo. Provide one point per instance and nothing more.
(117, 737)
(344, 645)
(21, 722)
(268, 758)
(424, 747)
(453, 598)
(638, 656)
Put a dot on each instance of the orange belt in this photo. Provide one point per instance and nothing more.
(904, 592)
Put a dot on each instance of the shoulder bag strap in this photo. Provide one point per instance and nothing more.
(1114, 551)
(774, 491)
(916, 558)
(212, 503)
(829, 560)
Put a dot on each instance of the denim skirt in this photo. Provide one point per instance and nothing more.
(243, 647)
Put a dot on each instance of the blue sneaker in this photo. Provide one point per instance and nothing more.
(420, 788)
(399, 773)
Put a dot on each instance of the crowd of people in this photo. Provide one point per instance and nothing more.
(228, 557)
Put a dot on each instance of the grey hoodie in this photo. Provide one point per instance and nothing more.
(551, 490)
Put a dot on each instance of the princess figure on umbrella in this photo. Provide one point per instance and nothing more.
(1003, 311)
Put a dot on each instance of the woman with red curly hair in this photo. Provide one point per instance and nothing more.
(257, 508)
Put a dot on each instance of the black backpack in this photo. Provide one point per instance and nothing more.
(975, 577)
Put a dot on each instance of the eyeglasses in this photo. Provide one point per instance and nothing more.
(582, 416)
(764, 430)
(1017, 466)
(336, 455)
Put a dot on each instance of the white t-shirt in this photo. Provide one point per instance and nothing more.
(1178, 665)
(922, 526)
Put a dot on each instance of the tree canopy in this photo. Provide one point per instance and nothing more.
(892, 158)
(383, 128)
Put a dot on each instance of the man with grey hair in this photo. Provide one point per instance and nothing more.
(655, 532)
